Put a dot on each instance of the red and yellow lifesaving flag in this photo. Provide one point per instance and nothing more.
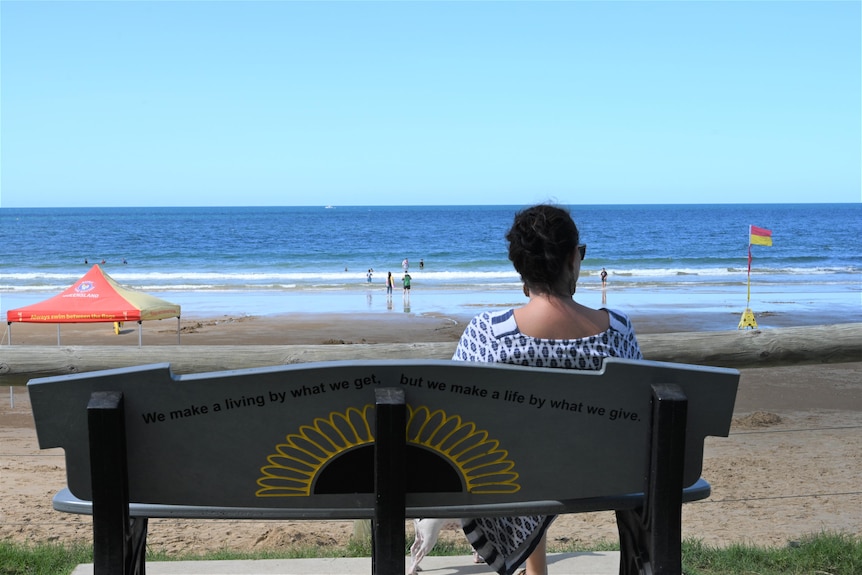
(759, 236)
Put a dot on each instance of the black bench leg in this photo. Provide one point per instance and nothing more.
(388, 539)
(650, 537)
(119, 544)
(138, 546)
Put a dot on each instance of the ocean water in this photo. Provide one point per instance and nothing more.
(291, 259)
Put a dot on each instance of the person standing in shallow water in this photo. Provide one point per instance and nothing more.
(550, 330)
(406, 283)
(390, 284)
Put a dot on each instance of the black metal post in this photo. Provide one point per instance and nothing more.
(650, 536)
(110, 484)
(389, 482)
(664, 498)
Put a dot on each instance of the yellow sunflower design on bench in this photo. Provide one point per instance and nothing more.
(336, 455)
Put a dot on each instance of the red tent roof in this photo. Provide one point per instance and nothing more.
(96, 297)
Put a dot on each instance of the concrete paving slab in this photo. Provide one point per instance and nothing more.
(598, 563)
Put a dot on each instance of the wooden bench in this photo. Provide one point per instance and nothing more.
(385, 440)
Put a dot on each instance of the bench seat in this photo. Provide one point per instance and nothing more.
(385, 440)
(67, 503)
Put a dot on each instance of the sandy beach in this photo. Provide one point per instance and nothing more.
(790, 467)
(203, 326)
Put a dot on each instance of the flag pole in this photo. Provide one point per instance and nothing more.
(747, 320)
(748, 297)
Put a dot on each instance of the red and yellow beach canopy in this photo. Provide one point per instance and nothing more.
(96, 297)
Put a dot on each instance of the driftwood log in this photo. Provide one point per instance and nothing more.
(837, 343)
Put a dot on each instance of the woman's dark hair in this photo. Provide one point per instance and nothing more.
(541, 240)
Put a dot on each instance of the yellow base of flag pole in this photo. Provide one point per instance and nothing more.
(747, 320)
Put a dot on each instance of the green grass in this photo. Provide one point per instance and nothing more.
(42, 559)
(821, 554)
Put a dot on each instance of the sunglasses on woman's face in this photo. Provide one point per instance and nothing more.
(582, 250)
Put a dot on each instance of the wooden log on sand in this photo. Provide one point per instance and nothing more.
(837, 343)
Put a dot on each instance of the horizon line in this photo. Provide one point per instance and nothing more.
(465, 205)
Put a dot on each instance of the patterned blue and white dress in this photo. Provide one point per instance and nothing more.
(506, 542)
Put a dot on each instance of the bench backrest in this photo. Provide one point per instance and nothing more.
(301, 436)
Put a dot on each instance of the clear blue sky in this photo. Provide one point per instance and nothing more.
(294, 103)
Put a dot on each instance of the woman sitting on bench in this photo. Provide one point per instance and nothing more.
(551, 330)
